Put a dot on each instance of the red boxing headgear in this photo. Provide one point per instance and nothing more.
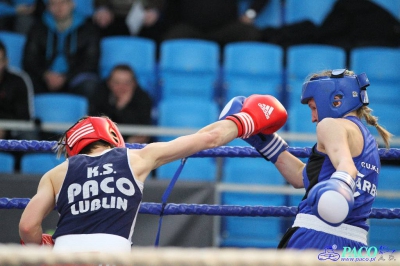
(90, 130)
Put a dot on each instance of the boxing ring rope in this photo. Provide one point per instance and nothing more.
(213, 210)
(198, 209)
(145, 256)
(184, 209)
(17, 255)
(224, 151)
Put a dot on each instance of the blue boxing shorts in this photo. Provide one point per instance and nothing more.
(308, 232)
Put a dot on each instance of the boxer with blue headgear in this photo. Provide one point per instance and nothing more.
(336, 95)
(340, 189)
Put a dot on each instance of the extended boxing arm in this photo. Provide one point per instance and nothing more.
(156, 154)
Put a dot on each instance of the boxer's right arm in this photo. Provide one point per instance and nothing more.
(30, 226)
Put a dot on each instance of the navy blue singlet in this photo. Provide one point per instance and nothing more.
(99, 195)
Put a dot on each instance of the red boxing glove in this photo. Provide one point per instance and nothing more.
(260, 113)
(47, 240)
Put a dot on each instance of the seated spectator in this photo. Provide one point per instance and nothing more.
(62, 51)
(357, 23)
(17, 16)
(14, 97)
(130, 17)
(122, 99)
(212, 20)
(349, 24)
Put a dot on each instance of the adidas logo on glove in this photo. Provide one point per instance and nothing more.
(250, 120)
(266, 109)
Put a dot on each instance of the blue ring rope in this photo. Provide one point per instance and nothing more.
(214, 210)
(224, 151)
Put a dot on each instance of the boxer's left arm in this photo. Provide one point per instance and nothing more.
(30, 226)
(332, 138)
(332, 200)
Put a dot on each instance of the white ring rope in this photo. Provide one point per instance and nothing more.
(144, 256)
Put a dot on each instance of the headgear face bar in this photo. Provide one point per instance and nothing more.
(350, 92)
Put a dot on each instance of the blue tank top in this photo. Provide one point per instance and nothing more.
(99, 195)
(320, 168)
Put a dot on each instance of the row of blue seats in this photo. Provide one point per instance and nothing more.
(192, 67)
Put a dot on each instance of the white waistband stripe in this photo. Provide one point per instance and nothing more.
(344, 230)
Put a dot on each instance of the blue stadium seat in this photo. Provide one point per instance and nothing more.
(303, 60)
(38, 163)
(189, 68)
(195, 169)
(14, 43)
(252, 68)
(383, 93)
(7, 162)
(139, 53)
(386, 231)
(387, 113)
(251, 231)
(251, 171)
(255, 232)
(85, 7)
(60, 107)
(379, 63)
(313, 10)
(190, 113)
(299, 121)
(269, 16)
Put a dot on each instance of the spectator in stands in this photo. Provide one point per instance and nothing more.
(349, 24)
(218, 21)
(124, 101)
(17, 16)
(130, 17)
(14, 97)
(356, 23)
(62, 51)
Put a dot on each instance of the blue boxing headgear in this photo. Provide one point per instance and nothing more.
(350, 92)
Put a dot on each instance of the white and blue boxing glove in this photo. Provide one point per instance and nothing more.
(332, 200)
(232, 107)
(268, 145)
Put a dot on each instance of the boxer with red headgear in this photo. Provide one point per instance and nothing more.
(91, 129)
(98, 190)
